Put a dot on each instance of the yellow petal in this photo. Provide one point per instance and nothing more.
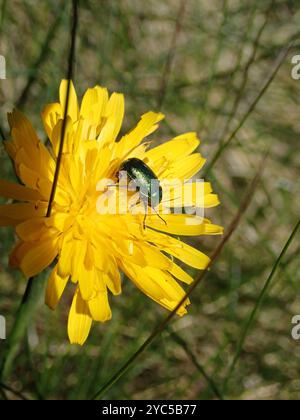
(26, 148)
(27, 175)
(89, 260)
(113, 278)
(131, 251)
(146, 126)
(18, 192)
(33, 180)
(114, 114)
(155, 258)
(99, 307)
(32, 229)
(80, 274)
(51, 114)
(6, 221)
(183, 169)
(188, 194)
(42, 227)
(180, 146)
(93, 105)
(187, 254)
(79, 321)
(19, 122)
(211, 200)
(180, 274)
(18, 252)
(68, 138)
(178, 249)
(73, 104)
(86, 281)
(177, 224)
(158, 285)
(23, 211)
(39, 256)
(184, 225)
(64, 261)
(11, 148)
(55, 287)
(33, 155)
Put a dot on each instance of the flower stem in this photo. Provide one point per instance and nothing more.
(160, 327)
(35, 287)
(257, 306)
(26, 310)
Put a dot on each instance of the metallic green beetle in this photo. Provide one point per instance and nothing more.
(145, 182)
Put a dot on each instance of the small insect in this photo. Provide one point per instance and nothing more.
(145, 182)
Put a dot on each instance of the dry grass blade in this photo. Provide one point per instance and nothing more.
(280, 59)
(260, 298)
(63, 129)
(246, 71)
(13, 391)
(170, 57)
(26, 305)
(3, 11)
(2, 134)
(232, 227)
(41, 58)
(179, 340)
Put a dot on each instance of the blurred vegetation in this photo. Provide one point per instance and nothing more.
(202, 63)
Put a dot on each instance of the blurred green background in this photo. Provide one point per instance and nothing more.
(202, 64)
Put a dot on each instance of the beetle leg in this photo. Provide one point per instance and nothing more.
(160, 216)
(145, 214)
(145, 211)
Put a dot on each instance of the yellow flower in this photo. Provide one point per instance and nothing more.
(90, 248)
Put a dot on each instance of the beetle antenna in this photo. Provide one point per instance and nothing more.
(145, 214)
(160, 216)
(166, 201)
(116, 185)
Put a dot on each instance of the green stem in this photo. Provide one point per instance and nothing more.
(3, 11)
(30, 297)
(26, 310)
(45, 50)
(257, 306)
(249, 111)
(176, 337)
(13, 391)
(156, 332)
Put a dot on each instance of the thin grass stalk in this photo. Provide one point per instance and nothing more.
(214, 62)
(234, 224)
(180, 341)
(3, 11)
(257, 306)
(2, 134)
(18, 394)
(30, 296)
(231, 74)
(280, 59)
(171, 55)
(246, 71)
(40, 60)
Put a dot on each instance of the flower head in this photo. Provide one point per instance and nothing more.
(89, 247)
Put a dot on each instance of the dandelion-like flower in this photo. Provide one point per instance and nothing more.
(86, 246)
